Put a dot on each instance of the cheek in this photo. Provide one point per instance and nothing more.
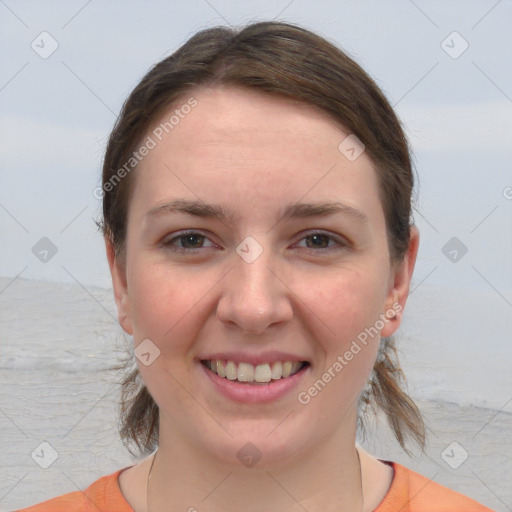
(347, 300)
(162, 300)
(167, 307)
(347, 308)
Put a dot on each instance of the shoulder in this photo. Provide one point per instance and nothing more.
(104, 494)
(412, 492)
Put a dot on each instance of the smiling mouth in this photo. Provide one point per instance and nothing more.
(248, 373)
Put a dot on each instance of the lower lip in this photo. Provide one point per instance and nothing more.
(259, 393)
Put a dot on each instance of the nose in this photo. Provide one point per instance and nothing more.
(254, 296)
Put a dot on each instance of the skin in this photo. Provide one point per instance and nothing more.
(253, 154)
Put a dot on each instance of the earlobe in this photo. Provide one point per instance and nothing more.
(400, 286)
(119, 283)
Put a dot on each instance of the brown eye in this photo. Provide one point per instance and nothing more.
(186, 242)
(191, 241)
(322, 242)
(318, 241)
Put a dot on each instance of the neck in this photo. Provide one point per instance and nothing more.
(324, 478)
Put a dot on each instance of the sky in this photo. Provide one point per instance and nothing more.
(56, 113)
(67, 68)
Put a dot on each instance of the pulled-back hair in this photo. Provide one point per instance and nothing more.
(280, 59)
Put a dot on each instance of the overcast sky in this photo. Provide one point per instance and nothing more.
(454, 97)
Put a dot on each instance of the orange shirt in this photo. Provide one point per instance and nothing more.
(409, 492)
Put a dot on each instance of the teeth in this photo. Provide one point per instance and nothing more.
(296, 366)
(277, 370)
(230, 370)
(220, 369)
(246, 372)
(287, 369)
(262, 373)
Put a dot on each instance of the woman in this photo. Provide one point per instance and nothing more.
(257, 220)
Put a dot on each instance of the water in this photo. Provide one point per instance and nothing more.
(58, 342)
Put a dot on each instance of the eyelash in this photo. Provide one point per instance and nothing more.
(169, 243)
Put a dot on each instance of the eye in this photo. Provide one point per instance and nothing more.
(186, 241)
(323, 241)
(192, 241)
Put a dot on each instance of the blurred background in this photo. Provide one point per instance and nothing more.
(67, 69)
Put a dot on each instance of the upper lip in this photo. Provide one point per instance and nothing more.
(254, 359)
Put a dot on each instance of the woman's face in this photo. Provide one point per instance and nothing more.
(247, 270)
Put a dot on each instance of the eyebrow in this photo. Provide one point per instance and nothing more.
(293, 211)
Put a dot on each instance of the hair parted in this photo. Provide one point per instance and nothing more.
(281, 59)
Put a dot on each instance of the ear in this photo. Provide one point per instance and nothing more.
(118, 273)
(399, 286)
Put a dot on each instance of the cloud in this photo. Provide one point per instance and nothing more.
(36, 142)
(477, 126)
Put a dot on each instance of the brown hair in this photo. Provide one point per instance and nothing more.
(287, 60)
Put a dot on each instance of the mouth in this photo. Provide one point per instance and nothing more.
(248, 373)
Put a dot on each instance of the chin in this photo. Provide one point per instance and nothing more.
(258, 446)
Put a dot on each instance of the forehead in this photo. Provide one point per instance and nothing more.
(231, 112)
(241, 147)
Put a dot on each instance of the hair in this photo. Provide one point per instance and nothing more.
(291, 62)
